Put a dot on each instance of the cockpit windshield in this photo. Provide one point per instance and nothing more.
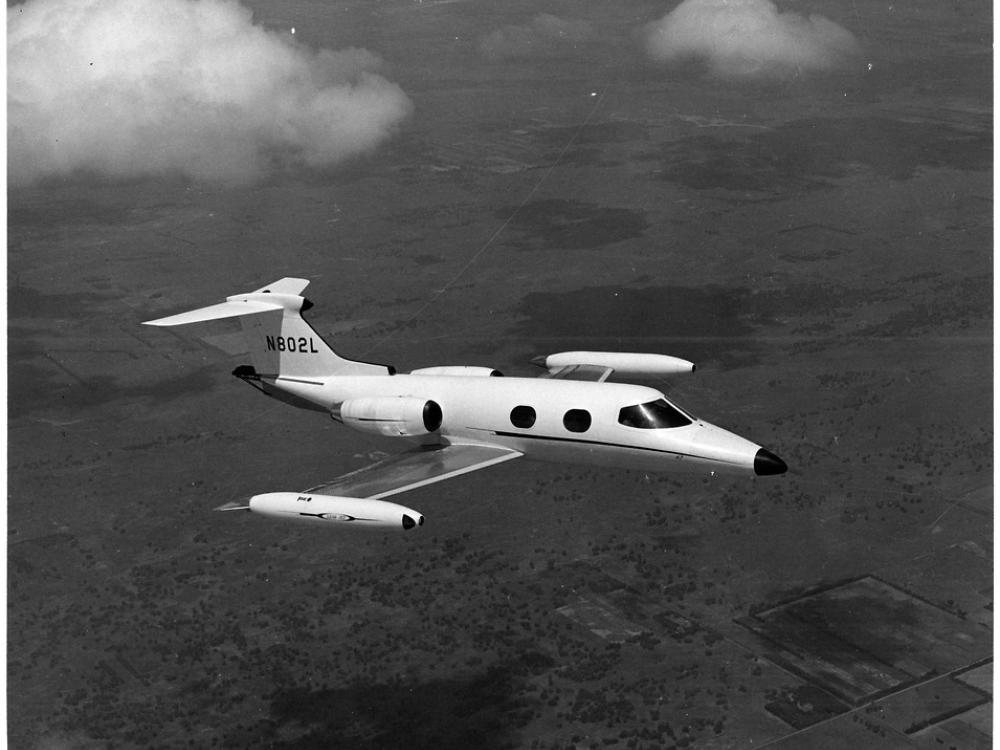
(653, 416)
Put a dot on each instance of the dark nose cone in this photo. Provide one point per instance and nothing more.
(409, 523)
(766, 463)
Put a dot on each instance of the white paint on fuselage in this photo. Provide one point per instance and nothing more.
(477, 410)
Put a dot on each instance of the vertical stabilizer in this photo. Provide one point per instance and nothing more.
(279, 340)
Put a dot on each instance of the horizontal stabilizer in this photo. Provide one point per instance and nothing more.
(215, 312)
(287, 285)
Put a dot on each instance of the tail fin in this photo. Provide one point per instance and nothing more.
(277, 337)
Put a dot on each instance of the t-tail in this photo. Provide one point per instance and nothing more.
(279, 341)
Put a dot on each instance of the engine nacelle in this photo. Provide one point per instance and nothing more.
(330, 510)
(459, 371)
(393, 417)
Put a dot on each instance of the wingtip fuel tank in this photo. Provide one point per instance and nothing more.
(625, 364)
(328, 509)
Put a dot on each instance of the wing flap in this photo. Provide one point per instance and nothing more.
(413, 469)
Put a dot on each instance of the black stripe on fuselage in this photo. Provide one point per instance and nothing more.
(552, 438)
(293, 380)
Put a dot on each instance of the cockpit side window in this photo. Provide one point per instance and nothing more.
(654, 415)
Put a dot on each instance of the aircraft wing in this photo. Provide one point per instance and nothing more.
(592, 373)
(413, 469)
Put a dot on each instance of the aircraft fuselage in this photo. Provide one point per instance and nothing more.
(548, 420)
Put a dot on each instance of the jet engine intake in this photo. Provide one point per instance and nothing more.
(390, 416)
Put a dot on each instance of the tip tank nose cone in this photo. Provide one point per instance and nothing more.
(766, 463)
(409, 523)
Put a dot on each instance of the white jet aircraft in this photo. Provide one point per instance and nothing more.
(459, 419)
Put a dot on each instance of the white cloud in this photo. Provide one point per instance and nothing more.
(129, 88)
(748, 38)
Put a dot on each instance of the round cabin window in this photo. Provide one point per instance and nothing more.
(577, 420)
(522, 416)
